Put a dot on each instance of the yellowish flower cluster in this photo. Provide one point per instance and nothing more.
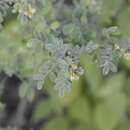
(75, 72)
(126, 55)
(29, 11)
(117, 47)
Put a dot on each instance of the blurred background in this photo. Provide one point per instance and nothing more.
(95, 102)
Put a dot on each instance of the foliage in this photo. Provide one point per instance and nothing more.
(64, 37)
(47, 43)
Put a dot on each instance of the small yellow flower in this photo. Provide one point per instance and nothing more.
(73, 72)
(74, 76)
(29, 12)
(116, 46)
(73, 66)
(127, 55)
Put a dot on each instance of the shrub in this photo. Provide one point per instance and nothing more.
(48, 43)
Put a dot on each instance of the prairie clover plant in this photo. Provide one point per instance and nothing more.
(56, 35)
